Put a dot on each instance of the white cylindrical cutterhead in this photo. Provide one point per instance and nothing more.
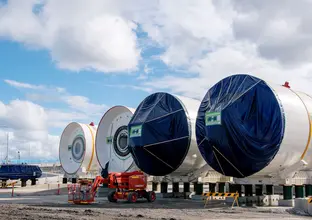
(112, 140)
(77, 148)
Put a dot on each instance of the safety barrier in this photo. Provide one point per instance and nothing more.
(211, 195)
(80, 193)
(310, 200)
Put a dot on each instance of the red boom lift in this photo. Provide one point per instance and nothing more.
(128, 185)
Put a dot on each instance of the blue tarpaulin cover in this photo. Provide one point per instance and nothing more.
(240, 126)
(19, 171)
(159, 134)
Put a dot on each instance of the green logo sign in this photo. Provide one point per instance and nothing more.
(136, 131)
(212, 118)
(109, 140)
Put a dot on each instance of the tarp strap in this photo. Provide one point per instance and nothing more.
(149, 145)
(130, 167)
(214, 154)
(165, 115)
(151, 108)
(220, 92)
(241, 94)
(228, 161)
(202, 141)
(162, 143)
(218, 162)
(154, 103)
(135, 157)
(159, 158)
(227, 91)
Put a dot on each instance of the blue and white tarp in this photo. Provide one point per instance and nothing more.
(240, 126)
(159, 134)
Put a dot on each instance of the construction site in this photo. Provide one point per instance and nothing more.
(234, 155)
(49, 200)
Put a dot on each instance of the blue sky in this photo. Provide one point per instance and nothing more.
(35, 67)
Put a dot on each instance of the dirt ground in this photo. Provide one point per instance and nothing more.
(164, 210)
(32, 204)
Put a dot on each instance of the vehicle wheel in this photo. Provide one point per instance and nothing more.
(132, 197)
(151, 196)
(111, 196)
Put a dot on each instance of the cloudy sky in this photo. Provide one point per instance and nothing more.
(63, 61)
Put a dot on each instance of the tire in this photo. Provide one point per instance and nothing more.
(111, 196)
(132, 197)
(151, 196)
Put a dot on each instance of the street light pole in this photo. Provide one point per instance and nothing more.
(19, 157)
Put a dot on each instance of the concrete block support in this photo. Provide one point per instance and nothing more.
(236, 188)
(33, 182)
(23, 184)
(259, 190)
(175, 187)
(269, 189)
(198, 188)
(308, 190)
(64, 180)
(248, 190)
(268, 200)
(287, 192)
(155, 186)
(302, 204)
(163, 187)
(212, 187)
(186, 187)
(299, 191)
(310, 209)
(221, 187)
(286, 203)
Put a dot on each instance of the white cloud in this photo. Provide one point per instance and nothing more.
(27, 124)
(59, 119)
(232, 60)
(23, 115)
(280, 30)
(22, 85)
(78, 35)
(220, 38)
(187, 29)
(142, 88)
(147, 70)
(46, 148)
(80, 104)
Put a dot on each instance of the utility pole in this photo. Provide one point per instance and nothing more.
(7, 153)
(7, 156)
